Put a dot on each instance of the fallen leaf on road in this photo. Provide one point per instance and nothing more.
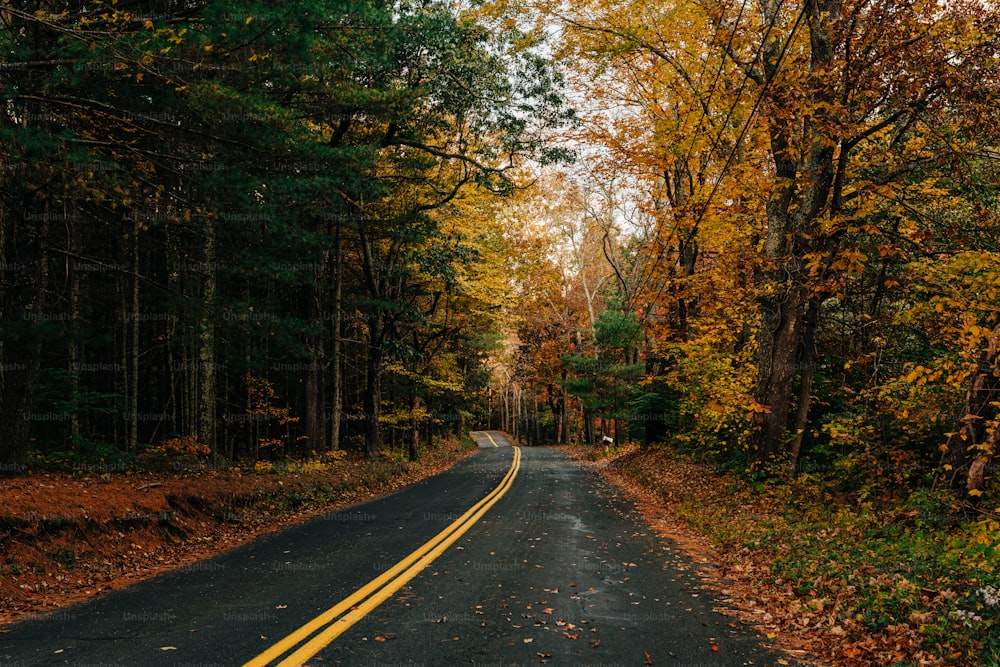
(168, 648)
(649, 661)
(595, 643)
(528, 640)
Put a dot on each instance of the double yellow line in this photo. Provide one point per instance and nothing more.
(487, 434)
(319, 632)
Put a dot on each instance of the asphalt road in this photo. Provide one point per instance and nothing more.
(557, 570)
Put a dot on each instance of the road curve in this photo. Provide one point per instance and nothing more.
(493, 439)
(559, 569)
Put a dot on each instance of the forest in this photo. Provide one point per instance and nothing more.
(781, 251)
(745, 253)
(250, 231)
(761, 233)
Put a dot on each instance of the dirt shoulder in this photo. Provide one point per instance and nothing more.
(65, 537)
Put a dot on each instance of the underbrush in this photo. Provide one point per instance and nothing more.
(910, 580)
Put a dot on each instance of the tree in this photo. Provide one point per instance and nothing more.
(850, 145)
(233, 191)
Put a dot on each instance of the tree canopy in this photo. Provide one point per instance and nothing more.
(275, 231)
(231, 222)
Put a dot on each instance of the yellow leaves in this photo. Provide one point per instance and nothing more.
(890, 251)
(757, 411)
(917, 376)
(814, 261)
(851, 261)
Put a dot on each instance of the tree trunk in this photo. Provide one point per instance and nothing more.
(336, 365)
(972, 444)
(75, 346)
(313, 404)
(206, 349)
(314, 421)
(778, 342)
(808, 367)
(132, 374)
(536, 422)
(373, 400)
(414, 427)
(801, 195)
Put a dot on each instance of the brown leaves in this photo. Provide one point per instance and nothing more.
(118, 522)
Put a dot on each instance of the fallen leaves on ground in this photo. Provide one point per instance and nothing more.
(673, 493)
(76, 535)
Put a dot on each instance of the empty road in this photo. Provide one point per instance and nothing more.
(515, 556)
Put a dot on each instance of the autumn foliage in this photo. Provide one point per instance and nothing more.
(799, 208)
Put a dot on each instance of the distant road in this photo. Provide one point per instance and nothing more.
(513, 557)
(491, 439)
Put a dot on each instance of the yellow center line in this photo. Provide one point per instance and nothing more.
(491, 438)
(336, 620)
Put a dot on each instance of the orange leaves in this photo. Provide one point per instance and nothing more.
(850, 261)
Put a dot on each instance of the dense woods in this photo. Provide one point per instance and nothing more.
(265, 232)
(254, 230)
(781, 250)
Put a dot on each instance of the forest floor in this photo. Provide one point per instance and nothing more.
(67, 536)
(832, 580)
